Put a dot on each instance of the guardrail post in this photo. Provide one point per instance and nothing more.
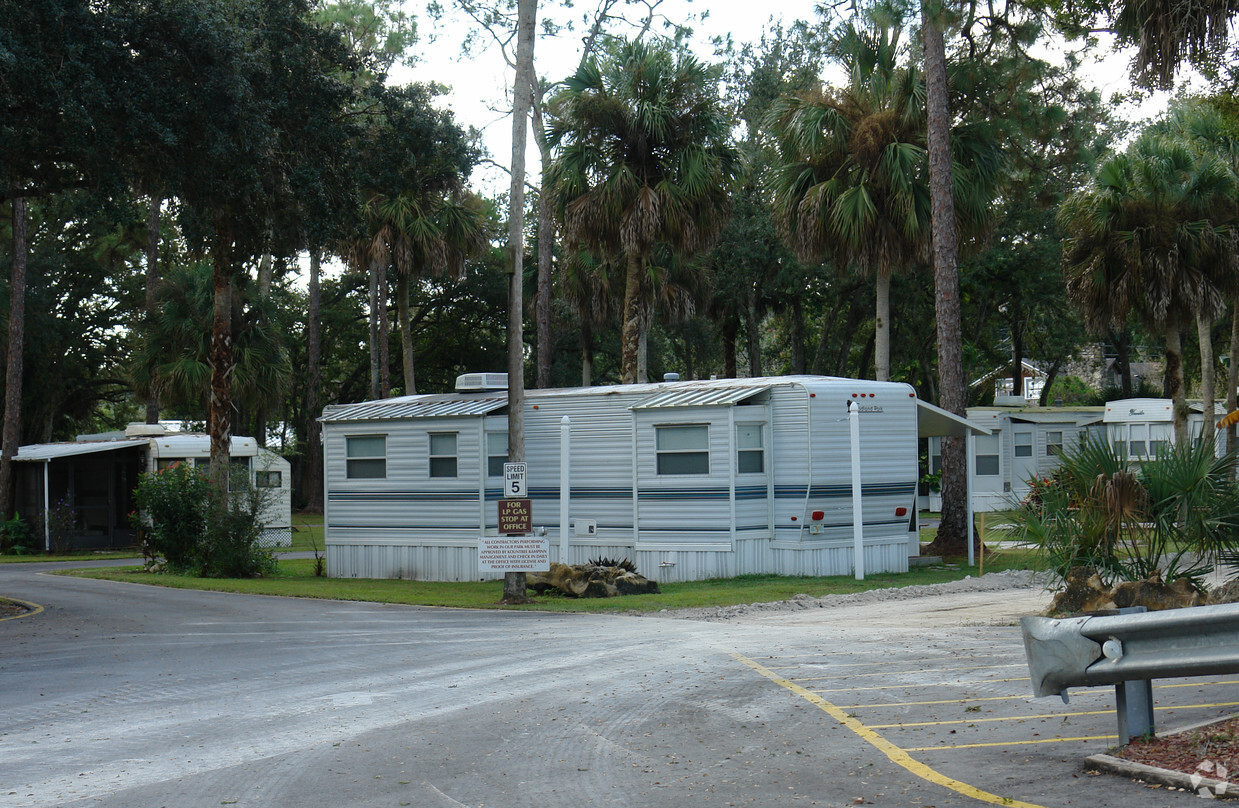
(1133, 700)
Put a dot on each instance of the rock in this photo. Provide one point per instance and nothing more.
(592, 580)
(1083, 592)
(1226, 593)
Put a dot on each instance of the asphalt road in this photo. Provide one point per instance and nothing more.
(132, 696)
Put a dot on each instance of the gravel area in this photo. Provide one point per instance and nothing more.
(991, 582)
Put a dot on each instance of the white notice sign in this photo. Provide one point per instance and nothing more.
(514, 480)
(498, 554)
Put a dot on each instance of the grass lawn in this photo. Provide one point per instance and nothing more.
(295, 578)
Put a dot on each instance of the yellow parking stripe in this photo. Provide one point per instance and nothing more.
(960, 700)
(892, 752)
(914, 686)
(1009, 743)
(1046, 715)
(895, 673)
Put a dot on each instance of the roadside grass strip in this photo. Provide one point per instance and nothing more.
(31, 609)
(894, 753)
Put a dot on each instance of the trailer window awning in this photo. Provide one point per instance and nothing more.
(433, 408)
(1080, 419)
(932, 422)
(38, 452)
(700, 397)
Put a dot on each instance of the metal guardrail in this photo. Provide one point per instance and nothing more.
(1129, 650)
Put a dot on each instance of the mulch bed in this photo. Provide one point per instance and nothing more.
(1211, 751)
(10, 609)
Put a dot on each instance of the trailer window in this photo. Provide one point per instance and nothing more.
(442, 454)
(1053, 443)
(1023, 444)
(367, 457)
(987, 455)
(1139, 440)
(683, 449)
(496, 453)
(268, 479)
(750, 451)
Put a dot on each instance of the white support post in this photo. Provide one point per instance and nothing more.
(858, 515)
(565, 487)
(47, 512)
(970, 464)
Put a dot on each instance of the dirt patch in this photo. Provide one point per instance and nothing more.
(1208, 751)
(10, 608)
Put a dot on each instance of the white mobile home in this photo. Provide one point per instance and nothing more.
(1023, 443)
(91, 481)
(690, 480)
(1138, 427)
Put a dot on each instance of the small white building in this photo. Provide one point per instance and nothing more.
(690, 480)
(1024, 442)
(93, 478)
(1138, 427)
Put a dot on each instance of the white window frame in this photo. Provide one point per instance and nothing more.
(432, 457)
(1016, 445)
(679, 453)
(360, 461)
(491, 456)
(759, 450)
(996, 454)
(1053, 448)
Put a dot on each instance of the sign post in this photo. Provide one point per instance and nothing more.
(514, 550)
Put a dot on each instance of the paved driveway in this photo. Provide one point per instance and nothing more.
(125, 695)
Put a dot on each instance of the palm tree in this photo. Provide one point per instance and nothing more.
(852, 181)
(643, 158)
(422, 234)
(1153, 235)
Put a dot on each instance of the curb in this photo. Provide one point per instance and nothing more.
(1205, 786)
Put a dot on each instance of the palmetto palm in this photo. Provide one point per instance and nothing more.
(425, 235)
(852, 180)
(642, 158)
(1152, 235)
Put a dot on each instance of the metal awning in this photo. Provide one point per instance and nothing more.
(934, 421)
(425, 408)
(1069, 417)
(54, 451)
(700, 396)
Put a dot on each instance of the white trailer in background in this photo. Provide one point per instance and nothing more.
(1138, 427)
(691, 480)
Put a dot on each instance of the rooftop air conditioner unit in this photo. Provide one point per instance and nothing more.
(135, 430)
(481, 382)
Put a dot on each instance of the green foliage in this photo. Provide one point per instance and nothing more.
(1176, 514)
(196, 529)
(16, 537)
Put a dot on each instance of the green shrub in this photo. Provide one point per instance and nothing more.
(16, 537)
(1176, 514)
(198, 530)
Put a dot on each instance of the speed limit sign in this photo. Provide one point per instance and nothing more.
(514, 480)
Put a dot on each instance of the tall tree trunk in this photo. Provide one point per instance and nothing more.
(855, 312)
(219, 406)
(1232, 377)
(730, 329)
(753, 329)
(1017, 356)
(11, 438)
(312, 474)
(266, 279)
(152, 286)
(375, 390)
(1174, 382)
(1208, 394)
(630, 325)
(1122, 361)
(587, 350)
(522, 97)
(405, 324)
(546, 252)
(384, 338)
(953, 530)
(796, 334)
(882, 327)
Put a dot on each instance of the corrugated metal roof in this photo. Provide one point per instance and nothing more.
(54, 451)
(432, 408)
(699, 396)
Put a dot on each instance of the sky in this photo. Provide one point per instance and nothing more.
(480, 84)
